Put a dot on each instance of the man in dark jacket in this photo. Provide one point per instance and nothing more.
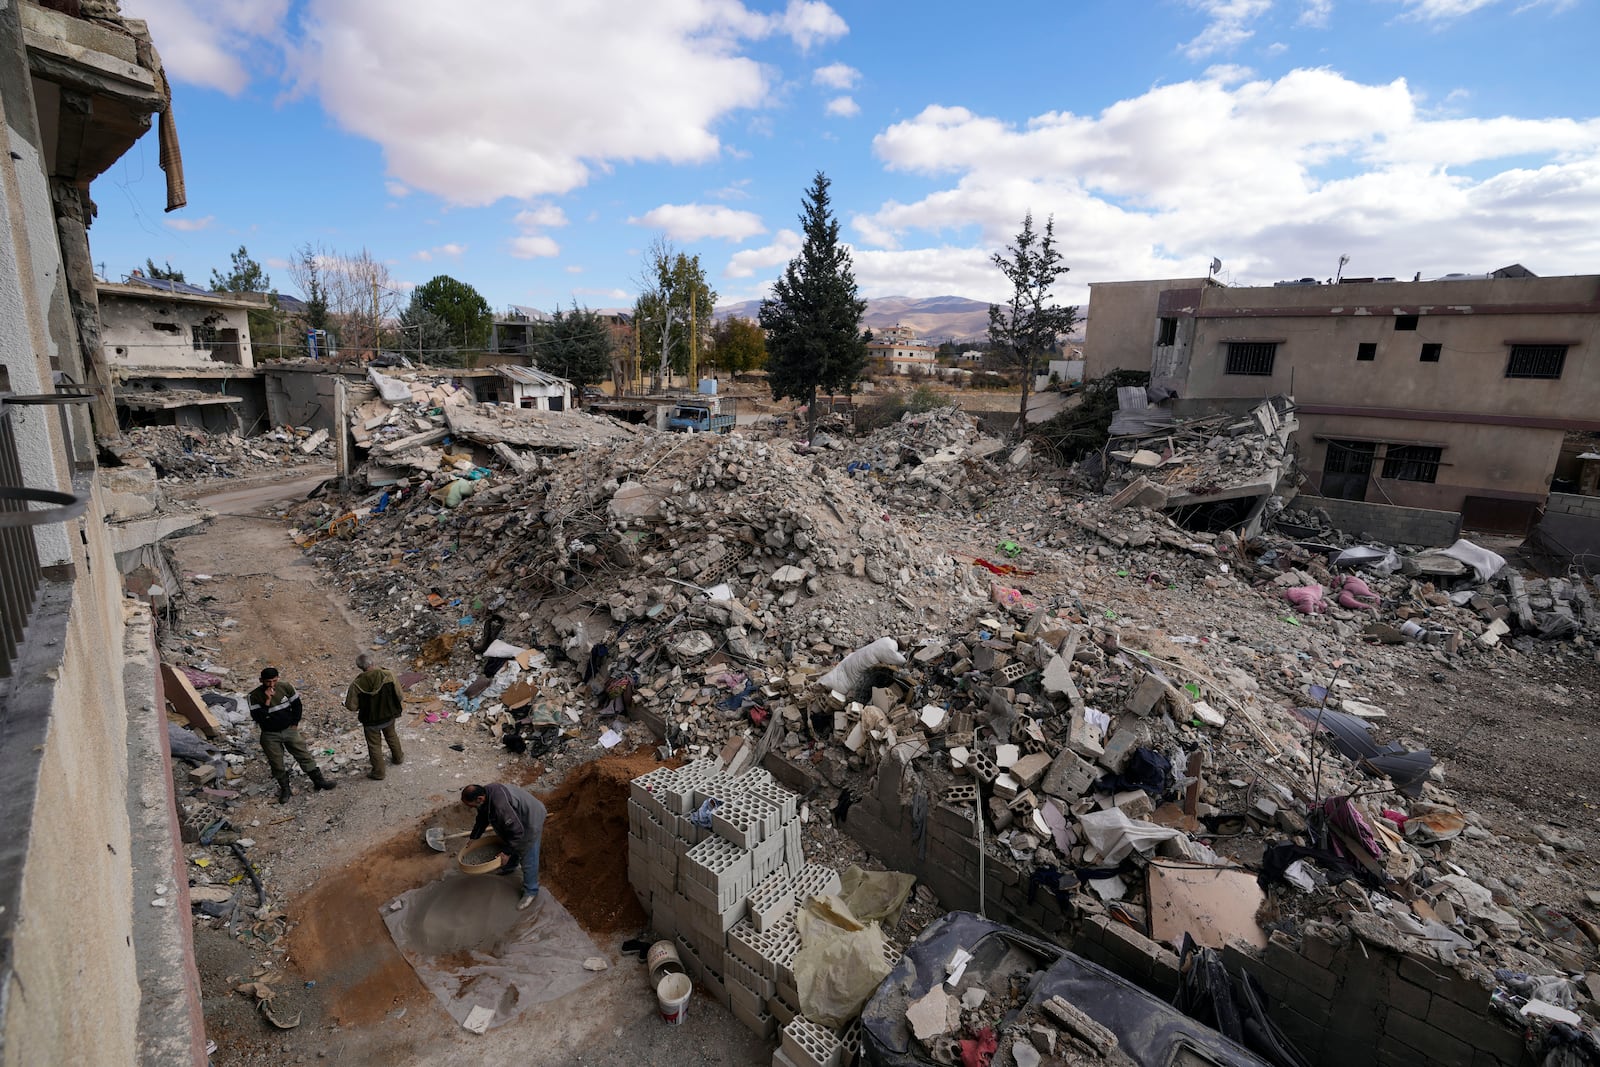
(375, 698)
(518, 817)
(275, 707)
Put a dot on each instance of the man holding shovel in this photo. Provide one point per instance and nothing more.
(518, 817)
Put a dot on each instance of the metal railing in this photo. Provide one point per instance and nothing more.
(20, 572)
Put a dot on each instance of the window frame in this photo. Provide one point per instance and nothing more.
(1412, 463)
(1245, 358)
(1533, 352)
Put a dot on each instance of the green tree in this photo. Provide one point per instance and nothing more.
(1030, 323)
(244, 276)
(166, 272)
(576, 345)
(738, 345)
(428, 338)
(673, 295)
(813, 318)
(459, 305)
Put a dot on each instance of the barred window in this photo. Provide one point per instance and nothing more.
(205, 338)
(1251, 357)
(1412, 463)
(1536, 361)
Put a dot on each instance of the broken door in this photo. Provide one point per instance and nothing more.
(1346, 468)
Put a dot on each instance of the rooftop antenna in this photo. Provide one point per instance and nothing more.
(1339, 274)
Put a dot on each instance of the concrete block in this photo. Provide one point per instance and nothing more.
(1030, 769)
(760, 1022)
(1146, 696)
(1119, 748)
(1441, 1047)
(758, 985)
(815, 880)
(766, 858)
(1284, 958)
(1069, 777)
(741, 820)
(810, 1045)
(781, 1011)
(772, 900)
(982, 767)
(1083, 737)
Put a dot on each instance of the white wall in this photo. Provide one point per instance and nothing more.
(133, 340)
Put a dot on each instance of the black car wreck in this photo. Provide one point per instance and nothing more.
(1062, 1007)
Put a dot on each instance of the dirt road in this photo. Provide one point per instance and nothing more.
(331, 860)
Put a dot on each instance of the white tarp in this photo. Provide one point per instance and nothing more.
(1485, 564)
(392, 390)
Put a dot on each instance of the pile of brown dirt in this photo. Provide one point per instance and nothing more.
(340, 940)
(584, 853)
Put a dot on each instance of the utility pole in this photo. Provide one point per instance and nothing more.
(694, 338)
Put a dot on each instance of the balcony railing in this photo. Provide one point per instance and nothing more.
(20, 573)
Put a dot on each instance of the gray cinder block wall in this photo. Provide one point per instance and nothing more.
(1347, 998)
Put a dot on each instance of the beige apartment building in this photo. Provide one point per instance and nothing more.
(1452, 394)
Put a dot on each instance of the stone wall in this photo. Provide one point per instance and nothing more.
(1387, 523)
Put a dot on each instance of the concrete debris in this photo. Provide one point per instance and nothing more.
(1066, 669)
(184, 454)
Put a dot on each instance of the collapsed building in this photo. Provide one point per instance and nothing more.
(1093, 724)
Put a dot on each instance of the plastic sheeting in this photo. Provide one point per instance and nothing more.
(392, 390)
(840, 963)
(1484, 564)
(1115, 835)
(847, 675)
(472, 948)
(875, 896)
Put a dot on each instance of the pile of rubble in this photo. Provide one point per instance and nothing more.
(184, 454)
(1106, 699)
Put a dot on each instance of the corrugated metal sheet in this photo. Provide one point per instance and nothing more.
(532, 376)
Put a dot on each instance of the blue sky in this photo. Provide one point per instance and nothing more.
(534, 149)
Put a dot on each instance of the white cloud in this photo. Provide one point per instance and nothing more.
(809, 23)
(844, 107)
(624, 82)
(573, 268)
(784, 247)
(542, 216)
(836, 76)
(1442, 10)
(694, 222)
(534, 246)
(210, 44)
(183, 225)
(398, 190)
(1315, 13)
(1229, 26)
(1277, 177)
(738, 189)
(448, 251)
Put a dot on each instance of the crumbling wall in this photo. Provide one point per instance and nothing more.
(1364, 1000)
(1361, 1001)
(1388, 523)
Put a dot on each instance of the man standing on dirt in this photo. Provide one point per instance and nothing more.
(375, 698)
(518, 817)
(275, 707)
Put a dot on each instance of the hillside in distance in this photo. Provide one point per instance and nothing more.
(935, 318)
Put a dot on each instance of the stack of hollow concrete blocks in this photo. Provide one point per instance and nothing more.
(727, 895)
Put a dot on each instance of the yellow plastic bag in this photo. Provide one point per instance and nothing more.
(840, 963)
(876, 895)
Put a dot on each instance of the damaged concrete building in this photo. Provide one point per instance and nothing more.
(1449, 395)
(90, 970)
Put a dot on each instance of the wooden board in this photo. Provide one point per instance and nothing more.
(183, 699)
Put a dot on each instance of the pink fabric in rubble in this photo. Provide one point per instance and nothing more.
(1307, 599)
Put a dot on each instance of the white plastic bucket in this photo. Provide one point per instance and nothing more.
(672, 994)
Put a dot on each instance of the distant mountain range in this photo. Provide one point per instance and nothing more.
(935, 318)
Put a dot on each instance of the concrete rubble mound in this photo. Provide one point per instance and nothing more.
(183, 454)
(1100, 712)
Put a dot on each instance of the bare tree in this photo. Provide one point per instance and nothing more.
(358, 292)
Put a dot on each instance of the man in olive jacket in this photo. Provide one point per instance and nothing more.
(375, 698)
(275, 707)
(518, 817)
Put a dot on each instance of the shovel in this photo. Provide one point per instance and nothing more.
(436, 837)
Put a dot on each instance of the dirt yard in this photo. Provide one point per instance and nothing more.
(331, 860)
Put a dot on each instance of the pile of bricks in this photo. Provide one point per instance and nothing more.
(728, 895)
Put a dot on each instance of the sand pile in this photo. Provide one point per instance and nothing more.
(584, 860)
